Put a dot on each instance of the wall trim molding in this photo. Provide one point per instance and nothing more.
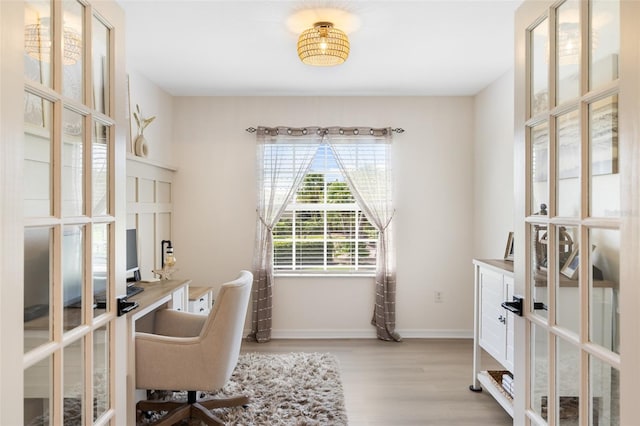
(143, 160)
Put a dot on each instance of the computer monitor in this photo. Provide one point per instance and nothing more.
(133, 269)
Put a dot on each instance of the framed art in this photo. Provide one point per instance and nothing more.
(508, 251)
(570, 267)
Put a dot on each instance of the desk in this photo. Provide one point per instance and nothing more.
(169, 293)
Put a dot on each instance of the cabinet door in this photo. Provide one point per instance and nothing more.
(492, 328)
(509, 334)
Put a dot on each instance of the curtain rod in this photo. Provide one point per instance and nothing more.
(253, 130)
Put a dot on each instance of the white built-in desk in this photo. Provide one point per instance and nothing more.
(172, 294)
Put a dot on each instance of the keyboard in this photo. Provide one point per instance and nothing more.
(132, 290)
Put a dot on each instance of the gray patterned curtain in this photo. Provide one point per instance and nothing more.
(364, 157)
(284, 156)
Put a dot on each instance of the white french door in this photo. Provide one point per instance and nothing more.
(576, 230)
(64, 149)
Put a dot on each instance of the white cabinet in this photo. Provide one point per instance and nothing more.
(493, 325)
(200, 299)
(496, 323)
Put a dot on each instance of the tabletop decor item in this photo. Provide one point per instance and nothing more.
(140, 146)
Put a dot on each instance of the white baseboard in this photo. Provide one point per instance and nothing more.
(370, 334)
(436, 334)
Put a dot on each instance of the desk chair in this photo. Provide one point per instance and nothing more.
(195, 353)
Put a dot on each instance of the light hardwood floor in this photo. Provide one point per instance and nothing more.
(414, 382)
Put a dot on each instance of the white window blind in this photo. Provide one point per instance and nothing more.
(323, 230)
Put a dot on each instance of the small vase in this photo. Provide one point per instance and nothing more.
(140, 146)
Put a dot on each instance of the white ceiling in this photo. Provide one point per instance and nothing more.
(247, 48)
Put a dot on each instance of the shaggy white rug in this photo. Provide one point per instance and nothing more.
(285, 389)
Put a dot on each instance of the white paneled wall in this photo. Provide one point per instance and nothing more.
(149, 209)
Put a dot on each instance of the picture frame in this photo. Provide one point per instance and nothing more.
(570, 267)
(508, 251)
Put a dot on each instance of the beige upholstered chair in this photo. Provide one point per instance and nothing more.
(195, 353)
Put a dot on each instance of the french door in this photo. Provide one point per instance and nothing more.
(576, 230)
(64, 151)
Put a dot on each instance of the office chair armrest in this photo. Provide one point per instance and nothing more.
(169, 322)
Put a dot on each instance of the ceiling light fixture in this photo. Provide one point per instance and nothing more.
(323, 45)
(37, 43)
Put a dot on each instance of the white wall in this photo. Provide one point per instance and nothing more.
(153, 101)
(493, 214)
(214, 208)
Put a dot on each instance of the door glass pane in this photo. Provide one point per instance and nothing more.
(100, 371)
(38, 394)
(603, 158)
(38, 36)
(539, 167)
(72, 164)
(568, 172)
(100, 266)
(100, 66)
(604, 290)
(568, 51)
(567, 290)
(37, 156)
(100, 168)
(604, 393)
(73, 52)
(567, 384)
(72, 274)
(540, 68)
(539, 370)
(539, 270)
(604, 45)
(73, 382)
(37, 286)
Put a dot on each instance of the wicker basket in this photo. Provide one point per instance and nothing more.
(496, 378)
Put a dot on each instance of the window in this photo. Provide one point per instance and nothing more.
(323, 230)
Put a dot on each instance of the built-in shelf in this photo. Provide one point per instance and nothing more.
(143, 160)
(491, 386)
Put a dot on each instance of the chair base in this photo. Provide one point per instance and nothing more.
(190, 410)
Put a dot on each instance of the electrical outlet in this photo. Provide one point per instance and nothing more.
(438, 296)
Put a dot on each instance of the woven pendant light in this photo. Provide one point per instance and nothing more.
(323, 45)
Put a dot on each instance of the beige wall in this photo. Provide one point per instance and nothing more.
(153, 101)
(493, 168)
(214, 208)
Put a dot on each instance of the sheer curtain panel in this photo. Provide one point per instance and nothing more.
(284, 155)
(364, 157)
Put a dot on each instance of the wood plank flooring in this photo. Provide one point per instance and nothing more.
(415, 382)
